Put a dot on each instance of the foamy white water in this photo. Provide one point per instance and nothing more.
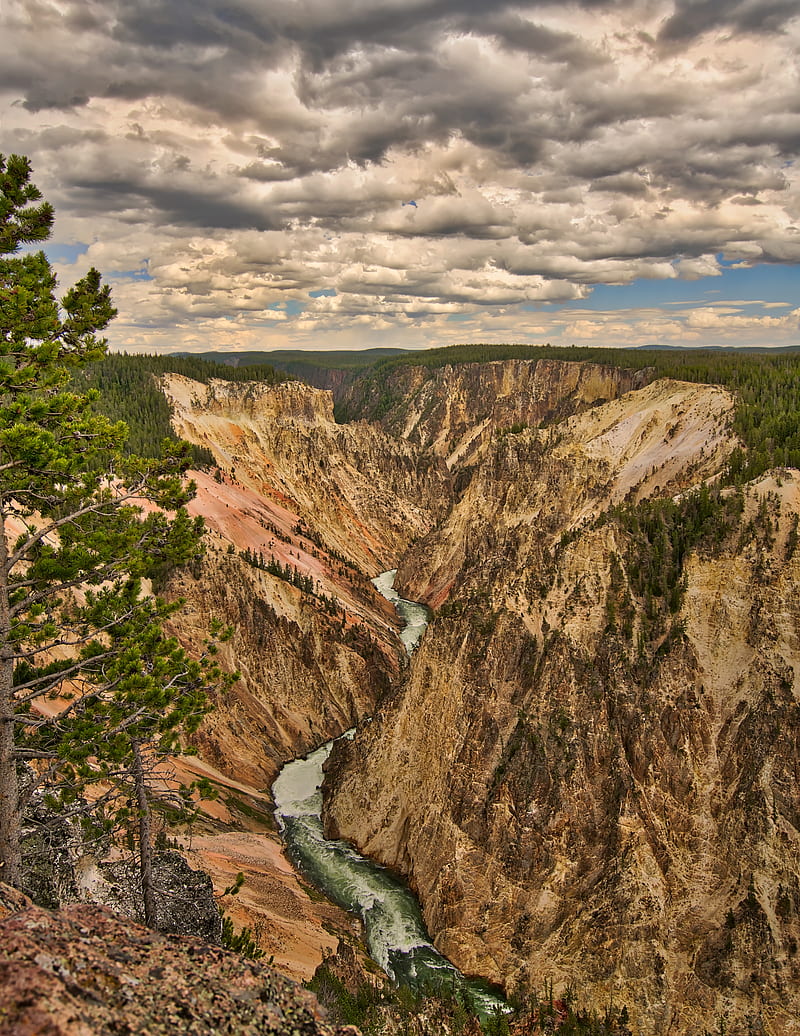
(396, 936)
(414, 615)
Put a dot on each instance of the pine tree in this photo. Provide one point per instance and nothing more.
(142, 698)
(87, 676)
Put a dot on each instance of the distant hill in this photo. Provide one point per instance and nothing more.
(336, 359)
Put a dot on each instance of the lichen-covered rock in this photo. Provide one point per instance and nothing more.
(83, 972)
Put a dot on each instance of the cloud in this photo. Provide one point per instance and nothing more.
(251, 153)
(694, 17)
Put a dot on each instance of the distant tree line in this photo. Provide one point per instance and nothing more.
(129, 392)
(766, 386)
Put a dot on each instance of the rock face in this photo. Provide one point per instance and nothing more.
(82, 972)
(455, 410)
(364, 494)
(184, 898)
(329, 504)
(588, 776)
(590, 771)
(533, 487)
(61, 866)
(305, 675)
(300, 513)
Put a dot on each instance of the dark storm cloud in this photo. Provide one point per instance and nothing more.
(198, 23)
(694, 17)
(264, 172)
(712, 176)
(324, 31)
(152, 203)
(516, 33)
(38, 99)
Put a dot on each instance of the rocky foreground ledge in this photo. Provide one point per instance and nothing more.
(81, 971)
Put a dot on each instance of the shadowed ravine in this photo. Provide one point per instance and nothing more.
(395, 932)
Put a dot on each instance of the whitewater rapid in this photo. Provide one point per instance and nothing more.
(395, 932)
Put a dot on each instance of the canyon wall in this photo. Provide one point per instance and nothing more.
(589, 776)
(300, 513)
(304, 676)
(328, 504)
(365, 495)
(455, 410)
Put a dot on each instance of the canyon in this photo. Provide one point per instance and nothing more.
(586, 779)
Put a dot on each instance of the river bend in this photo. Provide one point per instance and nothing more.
(395, 932)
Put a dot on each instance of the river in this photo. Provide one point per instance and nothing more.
(395, 932)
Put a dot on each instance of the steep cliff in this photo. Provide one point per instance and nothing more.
(455, 410)
(323, 506)
(591, 773)
(361, 494)
(300, 513)
(534, 486)
(306, 675)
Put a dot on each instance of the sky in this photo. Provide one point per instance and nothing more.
(346, 174)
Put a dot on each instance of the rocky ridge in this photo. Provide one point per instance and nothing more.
(83, 972)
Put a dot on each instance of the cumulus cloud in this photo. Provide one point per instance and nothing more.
(226, 161)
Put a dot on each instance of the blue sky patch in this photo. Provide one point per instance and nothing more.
(766, 283)
(66, 254)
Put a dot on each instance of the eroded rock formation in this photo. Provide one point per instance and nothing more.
(332, 504)
(586, 777)
(586, 781)
(364, 494)
(455, 410)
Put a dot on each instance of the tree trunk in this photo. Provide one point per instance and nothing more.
(10, 820)
(145, 843)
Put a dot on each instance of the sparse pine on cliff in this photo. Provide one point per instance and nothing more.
(90, 685)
